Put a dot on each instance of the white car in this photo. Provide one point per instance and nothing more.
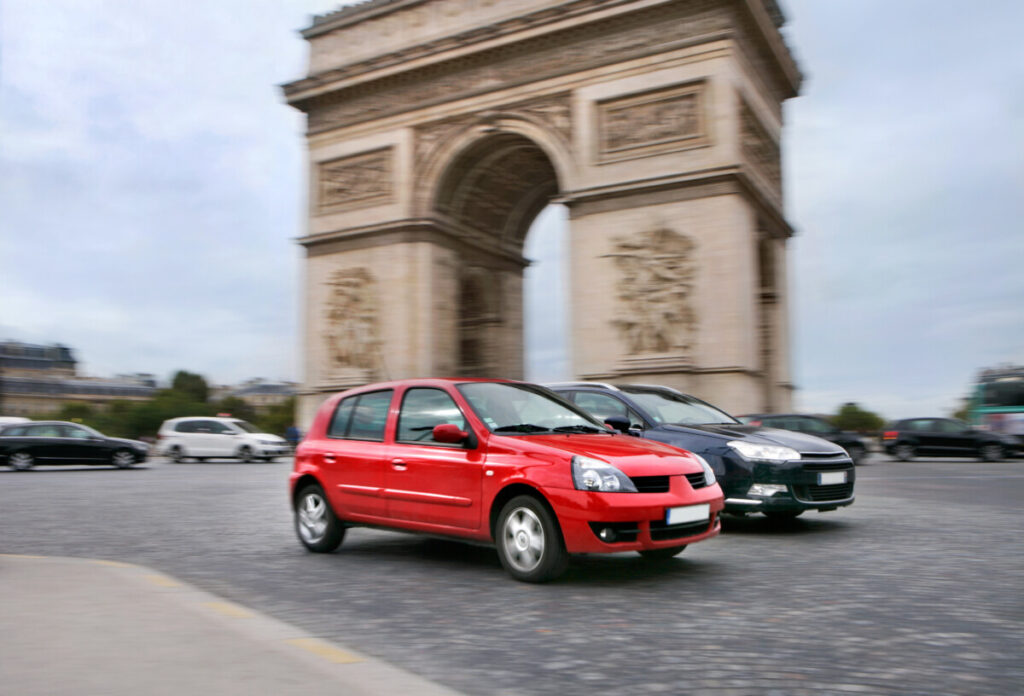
(202, 438)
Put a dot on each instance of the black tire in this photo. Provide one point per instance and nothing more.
(856, 453)
(782, 515)
(529, 541)
(904, 452)
(662, 554)
(317, 526)
(21, 461)
(177, 454)
(245, 453)
(122, 459)
(991, 452)
(200, 459)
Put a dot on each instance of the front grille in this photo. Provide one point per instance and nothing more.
(651, 484)
(696, 480)
(661, 531)
(839, 491)
(839, 465)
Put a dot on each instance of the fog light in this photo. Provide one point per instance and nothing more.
(767, 490)
(607, 534)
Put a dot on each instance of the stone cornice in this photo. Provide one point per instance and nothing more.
(719, 181)
(316, 92)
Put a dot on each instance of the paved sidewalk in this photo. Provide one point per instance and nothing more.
(82, 627)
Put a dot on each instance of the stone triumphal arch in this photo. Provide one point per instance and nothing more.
(439, 129)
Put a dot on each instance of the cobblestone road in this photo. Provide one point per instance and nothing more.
(915, 589)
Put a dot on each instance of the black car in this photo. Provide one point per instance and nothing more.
(944, 437)
(812, 425)
(776, 472)
(24, 445)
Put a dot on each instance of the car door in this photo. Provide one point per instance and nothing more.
(43, 441)
(930, 440)
(81, 445)
(352, 454)
(429, 482)
(957, 439)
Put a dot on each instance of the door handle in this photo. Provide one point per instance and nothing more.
(330, 458)
(399, 465)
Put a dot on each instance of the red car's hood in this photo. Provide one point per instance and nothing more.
(631, 455)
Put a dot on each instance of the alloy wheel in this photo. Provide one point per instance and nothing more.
(123, 459)
(523, 537)
(21, 461)
(313, 520)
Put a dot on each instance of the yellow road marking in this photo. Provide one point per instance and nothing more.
(112, 564)
(228, 609)
(325, 650)
(162, 581)
(19, 555)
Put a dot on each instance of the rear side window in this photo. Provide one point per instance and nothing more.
(14, 432)
(185, 427)
(362, 417)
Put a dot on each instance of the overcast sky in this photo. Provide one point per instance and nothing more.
(151, 187)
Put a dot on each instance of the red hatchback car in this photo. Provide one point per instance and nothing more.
(496, 461)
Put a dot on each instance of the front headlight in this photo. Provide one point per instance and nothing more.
(764, 453)
(594, 475)
(709, 473)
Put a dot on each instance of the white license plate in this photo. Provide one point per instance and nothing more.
(689, 513)
(831, 477)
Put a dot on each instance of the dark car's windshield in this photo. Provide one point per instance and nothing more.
(678, 409)
(521, 409)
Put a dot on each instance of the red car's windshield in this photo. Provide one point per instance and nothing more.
(520, 409)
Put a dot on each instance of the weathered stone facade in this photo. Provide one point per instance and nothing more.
(438, 129)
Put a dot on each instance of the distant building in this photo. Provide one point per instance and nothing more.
(38, 379)
(259, 393)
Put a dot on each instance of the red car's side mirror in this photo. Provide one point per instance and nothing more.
(449, 434)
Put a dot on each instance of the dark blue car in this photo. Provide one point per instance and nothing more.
(775, 472)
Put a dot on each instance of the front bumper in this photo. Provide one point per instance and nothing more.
(637, 520)
(804, 487)
(274, 450)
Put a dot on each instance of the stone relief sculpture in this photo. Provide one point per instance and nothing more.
(759, 148)
(363, 179)
(659, 121)
(657, 273)
(350, 321)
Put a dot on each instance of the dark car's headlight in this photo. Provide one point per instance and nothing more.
(764, 453)
(594, 475)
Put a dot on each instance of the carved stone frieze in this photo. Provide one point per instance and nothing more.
(657, 272)
(552, 111)
(355, 181)
(530, 60)
(350, 327)
(662, 120)
(760, 148)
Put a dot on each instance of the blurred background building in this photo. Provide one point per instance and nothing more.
(39, 379)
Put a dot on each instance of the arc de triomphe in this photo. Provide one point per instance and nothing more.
(439, 129)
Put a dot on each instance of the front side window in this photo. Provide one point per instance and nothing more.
(422, 410)
(246, 426)
(76, 432)
(951, 427)
(813, 425)
(678, 409)
(522, 409)
(601, 406)
(362, 417)
(44, 431)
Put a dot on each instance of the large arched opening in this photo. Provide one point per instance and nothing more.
(492, 194)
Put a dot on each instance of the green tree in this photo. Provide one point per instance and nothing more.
(191, 384)
(236, 407)
(853, 417)
(278, 417)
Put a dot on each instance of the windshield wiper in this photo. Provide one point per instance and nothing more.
(581, 428)
(522, 428)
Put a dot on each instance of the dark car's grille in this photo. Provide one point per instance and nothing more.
(651, 484)
(838, 491)
(661, 531)
(837, 465)
(696, 480)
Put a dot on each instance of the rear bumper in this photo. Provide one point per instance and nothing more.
(637, 521)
